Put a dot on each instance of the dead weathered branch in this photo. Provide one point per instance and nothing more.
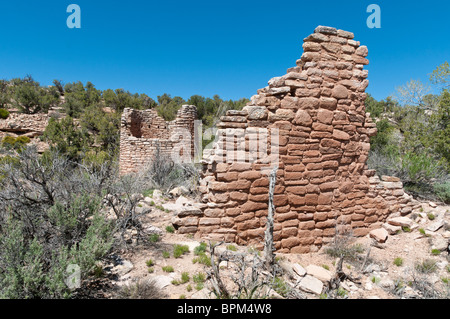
(268, 241)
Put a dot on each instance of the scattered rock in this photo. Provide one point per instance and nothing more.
(311, 284)
(124, 267)
(319, 272)
(436, 225)
(391, 229)
(150, 229)
(157, 194)
(183, 201)
(162, 281)
(401, 221)
(380, 235)
(439, 243)
(299, 270)
(178, 191)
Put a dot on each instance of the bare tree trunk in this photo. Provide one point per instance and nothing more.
(268, 240)
(216, 280)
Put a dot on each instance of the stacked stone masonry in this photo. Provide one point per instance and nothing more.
(142, 133)
(318, 134)
(29, 125)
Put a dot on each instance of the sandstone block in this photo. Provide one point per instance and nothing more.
(296, 200)
(325, 116)
(256, 112)
(340, 92)
(308, 102)
(311, 284)
(302, 117)
(319, 272)
(341, 135)
(329, 103)
(379, 234)
(290, 242)
(253, 206)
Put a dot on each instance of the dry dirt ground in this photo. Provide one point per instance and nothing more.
(379, 280)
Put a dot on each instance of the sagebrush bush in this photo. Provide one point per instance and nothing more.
(49, 219)
(165, 174)
(442, 191)
(4, 114)
(17, 143)
(140, 289)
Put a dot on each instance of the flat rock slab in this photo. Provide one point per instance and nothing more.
(299, 270)
(311, 284)
(319, 272)
(162, 281)
(401, 221)
(380, 235)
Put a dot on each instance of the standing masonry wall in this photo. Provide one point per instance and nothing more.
(312, 124)
(143, 132)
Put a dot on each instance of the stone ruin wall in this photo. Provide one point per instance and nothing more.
(322, 147)
(143, 132)
(29, 125)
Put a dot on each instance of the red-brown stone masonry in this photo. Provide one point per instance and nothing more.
(323, 142)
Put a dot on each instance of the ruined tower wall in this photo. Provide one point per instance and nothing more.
(313, 123)
(143, 132)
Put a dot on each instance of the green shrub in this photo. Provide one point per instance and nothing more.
(398, 261)
(442, 191)
(170, 229)
(200, 248)
(280, 286)
(185, 277)
(53, 221)
(140, 289)
(23, 140)
(148, 192)
(420, 167)
(175, 282)
(149, 263)
(154, 238)
(4, 114)
(406, 229)
(179, 250)
(10, 142)
(203, 259)
(199, 279)
(435, 252)
(427, 266)
(167, 269)
(341, 292)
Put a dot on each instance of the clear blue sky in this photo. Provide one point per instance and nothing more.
(230, 48)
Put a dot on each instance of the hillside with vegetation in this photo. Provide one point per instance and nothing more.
(413, 139)
(69, 206)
